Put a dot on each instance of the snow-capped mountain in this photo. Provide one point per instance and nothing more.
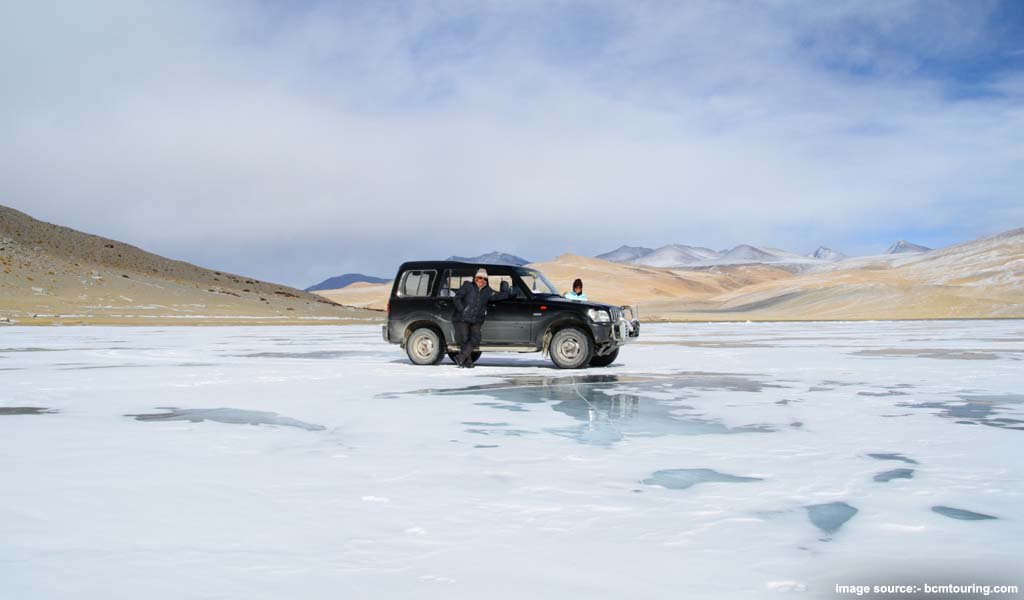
(625, 254)
(905, 247)
(827, 254)
(494, 258)
(681, 255)
(675, 255)
(747, 253)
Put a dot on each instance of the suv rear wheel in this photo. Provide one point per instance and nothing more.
(570, 348)
(605, 360)
(425, 347)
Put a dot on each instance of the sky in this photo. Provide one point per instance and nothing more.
(296, 141)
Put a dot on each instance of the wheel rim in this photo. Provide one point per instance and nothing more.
(423, 347)
(570, 347)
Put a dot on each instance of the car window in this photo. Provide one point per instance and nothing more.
(454, 278)
(416, 283)
(537, 283)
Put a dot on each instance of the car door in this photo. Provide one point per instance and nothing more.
(414, 295)
(444, 301)
(508, 321)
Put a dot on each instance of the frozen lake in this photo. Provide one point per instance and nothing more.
(712, 460)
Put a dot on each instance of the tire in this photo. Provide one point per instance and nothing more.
(475, 356)
(604, 361)
(425, 347)
(571, 348)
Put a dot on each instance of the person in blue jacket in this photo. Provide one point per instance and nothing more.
(577, 291)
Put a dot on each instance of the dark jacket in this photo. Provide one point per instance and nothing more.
(471, 302)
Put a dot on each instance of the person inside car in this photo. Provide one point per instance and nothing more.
(577, 291)
(470, 311)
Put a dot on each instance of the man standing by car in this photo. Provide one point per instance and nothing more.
(470, 311)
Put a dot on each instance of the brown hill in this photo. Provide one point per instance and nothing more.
(53, 274)
(611, 282)
(979, 279)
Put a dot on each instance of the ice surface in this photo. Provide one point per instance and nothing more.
(513, 480)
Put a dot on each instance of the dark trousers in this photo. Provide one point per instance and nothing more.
(468, 337)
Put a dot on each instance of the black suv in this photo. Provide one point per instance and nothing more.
(535, 318)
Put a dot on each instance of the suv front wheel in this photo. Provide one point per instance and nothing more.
(571, 348)
(425, 347)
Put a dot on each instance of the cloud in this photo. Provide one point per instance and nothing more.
(292, 144)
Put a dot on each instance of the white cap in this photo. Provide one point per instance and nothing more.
(482, 273)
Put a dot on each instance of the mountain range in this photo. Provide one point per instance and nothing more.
(983, 278)
(494, 258)
(334, 283)
(342, 281)
(905, 247)
(681, 255)
(53, 274)
(672, 255)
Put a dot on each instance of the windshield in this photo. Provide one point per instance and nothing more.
(537, 283)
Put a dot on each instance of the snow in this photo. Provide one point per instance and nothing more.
(678, 255)
(713, 460)
(905, 247)
(625, 253)
(827, 254)
(675, 255)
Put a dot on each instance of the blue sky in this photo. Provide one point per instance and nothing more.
(296, 141)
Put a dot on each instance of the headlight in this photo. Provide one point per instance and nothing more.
(599, 316)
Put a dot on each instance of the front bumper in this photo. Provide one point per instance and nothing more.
(625, 326)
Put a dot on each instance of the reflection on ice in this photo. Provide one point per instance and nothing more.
(961, 514)
(831, 516)
(885, 476)
(681, 479)
(321, 354)
(25, 410)
(521, 385)
(981, 410)
(607, 413)
(609, 418)
(892, 456)
(226, 415)
(942, 353)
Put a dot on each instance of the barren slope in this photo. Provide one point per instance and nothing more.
(50, 273)
(983, 278)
